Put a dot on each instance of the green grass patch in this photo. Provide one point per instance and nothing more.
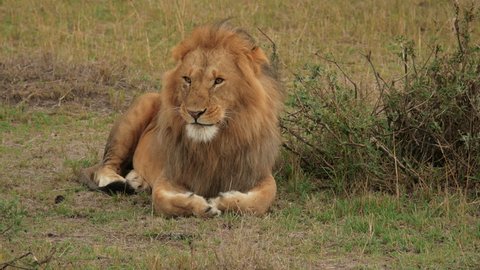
(11, 217)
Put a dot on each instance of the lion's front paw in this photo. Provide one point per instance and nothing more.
(239, 202)
(110, 182)
(229, 199)
(202, 208)
(212, 211)
(137, 182)
(104, 179)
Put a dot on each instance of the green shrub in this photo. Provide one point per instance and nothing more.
(331, 129)
(423, 131)
(435, 118)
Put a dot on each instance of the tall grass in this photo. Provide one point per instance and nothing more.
(140, 34)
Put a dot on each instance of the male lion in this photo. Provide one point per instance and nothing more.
(208, 141)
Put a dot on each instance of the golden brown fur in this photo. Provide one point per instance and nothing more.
(212, 130)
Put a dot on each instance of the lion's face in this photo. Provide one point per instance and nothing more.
(208, 86)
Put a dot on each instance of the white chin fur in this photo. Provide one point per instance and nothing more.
(201, 133)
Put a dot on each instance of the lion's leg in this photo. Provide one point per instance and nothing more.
(256, 201)
(172, 200)
(123, 140)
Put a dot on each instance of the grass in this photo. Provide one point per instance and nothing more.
(306, 228)
(141, 34)
(316, 230)
(66, 70)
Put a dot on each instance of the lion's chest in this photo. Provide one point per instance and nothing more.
(209, 173)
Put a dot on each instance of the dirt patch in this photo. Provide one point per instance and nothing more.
(44, 79)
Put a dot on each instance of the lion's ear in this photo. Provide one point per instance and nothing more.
(180, 51)
(258, 58)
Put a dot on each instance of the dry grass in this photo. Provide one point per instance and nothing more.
(45, 80)
(140, 34)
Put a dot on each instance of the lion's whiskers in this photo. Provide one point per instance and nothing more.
(175, 109)
(226, 118)
(229, 114)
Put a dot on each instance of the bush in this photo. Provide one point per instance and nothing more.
(331, 129)
(435, 118)
(422, 132)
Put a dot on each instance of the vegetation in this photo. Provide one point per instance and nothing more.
(380, 164)
(420, 133)
(434, 117)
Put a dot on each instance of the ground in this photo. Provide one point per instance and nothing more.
(62, 224)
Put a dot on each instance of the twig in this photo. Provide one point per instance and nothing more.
(405, 66)
(397, 187)
(457, 27)
(10, 263)
(7, 229)
(377, 79)
(405, 168)
(434, 49)
(63, 97)
(274, 46)
(286, 146)
(341, 70)
(35, 264)
(48, 258)
(368, 56)
(274, 57)
(298, 137)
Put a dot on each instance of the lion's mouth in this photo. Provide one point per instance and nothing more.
(201, 124)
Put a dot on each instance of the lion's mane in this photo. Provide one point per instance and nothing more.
(244, 151)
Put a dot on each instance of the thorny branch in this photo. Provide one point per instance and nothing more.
(342, 71)
(12, 263)
(457, 27)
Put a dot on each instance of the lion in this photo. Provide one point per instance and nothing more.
(207, 142)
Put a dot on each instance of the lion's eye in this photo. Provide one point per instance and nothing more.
(187, 79)
(218, 80)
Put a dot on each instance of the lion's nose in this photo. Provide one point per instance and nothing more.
(196, 114)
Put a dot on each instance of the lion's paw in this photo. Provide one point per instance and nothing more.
(235, 201)
(110, 182)
(137, 182)
(105, 180)
(212, 211)
(202, 207)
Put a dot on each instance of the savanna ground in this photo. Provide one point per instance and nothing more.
(67, 70)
